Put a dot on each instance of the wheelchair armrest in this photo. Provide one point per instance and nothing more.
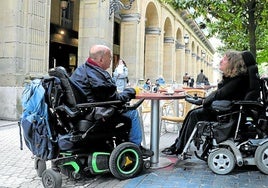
(249, 103)
(99, 104)
(68, 111)
(222, 105)
(194, 100)
(136, 105)
(48, 78)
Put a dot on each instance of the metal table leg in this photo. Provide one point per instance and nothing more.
(156, 161)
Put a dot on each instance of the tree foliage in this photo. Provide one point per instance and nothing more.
(239, 24)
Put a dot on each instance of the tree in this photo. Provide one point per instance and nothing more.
(240, 24)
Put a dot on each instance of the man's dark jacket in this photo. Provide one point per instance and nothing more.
(98, 85)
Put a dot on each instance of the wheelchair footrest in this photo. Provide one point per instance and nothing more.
(185, 156)
(76, 138)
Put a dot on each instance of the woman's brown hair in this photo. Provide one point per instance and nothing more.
(236, 65)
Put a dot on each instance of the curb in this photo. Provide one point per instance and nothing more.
(4, 123)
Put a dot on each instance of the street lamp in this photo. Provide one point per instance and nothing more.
(186, 38)
(203, 53)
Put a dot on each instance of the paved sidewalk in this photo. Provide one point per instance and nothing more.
(17, 170)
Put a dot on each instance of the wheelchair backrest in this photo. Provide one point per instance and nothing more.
(254, 83)
(73, 95)
(264, 90)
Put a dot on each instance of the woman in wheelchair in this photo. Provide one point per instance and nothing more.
(233, 86)
(98, 86)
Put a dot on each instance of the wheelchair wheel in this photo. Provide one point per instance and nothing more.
(51, 179)
(40, 166)
(221, 161)
(261, 158)
(126, 161)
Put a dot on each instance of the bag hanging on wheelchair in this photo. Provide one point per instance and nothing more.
(218, 130)
(222, 131)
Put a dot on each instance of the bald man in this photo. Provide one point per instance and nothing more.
(98, 86)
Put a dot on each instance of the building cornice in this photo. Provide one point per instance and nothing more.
(196, 29)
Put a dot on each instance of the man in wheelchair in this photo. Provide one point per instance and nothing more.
(82, 124)
(98, 86)
(235, 86)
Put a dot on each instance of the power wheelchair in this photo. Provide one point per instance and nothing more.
(240, 134)
(84, 144)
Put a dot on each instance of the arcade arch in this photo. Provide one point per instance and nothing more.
(152, 43)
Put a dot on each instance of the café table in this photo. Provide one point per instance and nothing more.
(156, 160)
(205, 87)
(164, 90)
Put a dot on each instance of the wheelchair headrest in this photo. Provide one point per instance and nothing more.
(73, 94)
(248, 58)
(254, 78)
(59, 72)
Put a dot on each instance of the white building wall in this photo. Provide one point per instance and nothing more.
(24, 46)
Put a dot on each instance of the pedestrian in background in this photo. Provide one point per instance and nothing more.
(160, 81)
(120, 75)
(200, 78)
(186, 79)
(191, 82)
(147, 85)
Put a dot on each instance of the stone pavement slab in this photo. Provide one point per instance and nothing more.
(194, 173)
(17, 170)
(17, 166)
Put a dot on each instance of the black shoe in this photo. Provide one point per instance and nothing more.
(146, 152)
(171, 151)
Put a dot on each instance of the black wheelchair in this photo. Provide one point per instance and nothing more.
(83, 145)
(240, 134)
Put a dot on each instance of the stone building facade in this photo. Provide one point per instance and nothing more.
(151, 40)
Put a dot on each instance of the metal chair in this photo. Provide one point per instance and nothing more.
(177, 115)
(144, 109)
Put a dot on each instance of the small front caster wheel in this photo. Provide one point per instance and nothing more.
(147, 164)
(51, 179)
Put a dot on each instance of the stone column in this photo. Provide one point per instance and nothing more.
(180, 62)
(95, 26)
(130, 46)
(188, 61)
(194, 65)
(169, 65)
(201, 63)
(24, 45)
(198, 60)
(153, 53)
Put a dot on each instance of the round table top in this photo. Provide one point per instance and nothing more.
(199, 87)
(161, 96)
(162, 90)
